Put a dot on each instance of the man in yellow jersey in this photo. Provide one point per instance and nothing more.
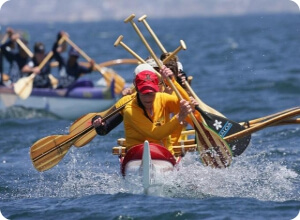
(147, 115)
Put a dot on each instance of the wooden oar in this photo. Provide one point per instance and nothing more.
(53, 80)
(49, 151)
(143, 19)
(85, 121)
(119, 81)
(214, 151)
(104, 64)
(258, 120)
(202, 105)
(23, 87)
(24, 47)
(262, 125)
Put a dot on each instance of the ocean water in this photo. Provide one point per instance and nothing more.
(245, 67)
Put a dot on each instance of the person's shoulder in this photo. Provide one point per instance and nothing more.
(163, 95)
(125, 99)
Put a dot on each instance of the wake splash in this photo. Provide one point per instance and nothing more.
(248, 177)
(25, 113)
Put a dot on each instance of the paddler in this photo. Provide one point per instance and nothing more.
(147, 115)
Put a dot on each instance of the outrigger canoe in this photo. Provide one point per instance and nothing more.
(69, 103)
(147, 160)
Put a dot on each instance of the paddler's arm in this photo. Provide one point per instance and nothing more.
(104, 127)
(165, 71)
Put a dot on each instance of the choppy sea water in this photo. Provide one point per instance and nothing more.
(245, 67)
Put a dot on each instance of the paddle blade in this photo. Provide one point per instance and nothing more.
(109, 75)
(84, 122)
(225, 127)
(49, 151)
(23, 87)
(213, 150)
(85, 139)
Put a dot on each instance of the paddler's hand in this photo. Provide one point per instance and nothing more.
(166, 72)
(97, 121)
(193, 103)
(185, 109)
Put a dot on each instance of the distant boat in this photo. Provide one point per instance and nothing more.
(69, 103)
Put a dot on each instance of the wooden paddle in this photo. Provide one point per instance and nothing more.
(262, 125)
(23, 87)
(258, 120)
(104, 64)
(202, 105)
(53, 80)
(108, 76)
(49, 151)
(214, 151)
(85, 121)
(24, 47)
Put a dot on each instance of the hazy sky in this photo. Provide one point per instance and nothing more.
(19, 11)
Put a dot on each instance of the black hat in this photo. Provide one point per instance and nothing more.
(39, 47)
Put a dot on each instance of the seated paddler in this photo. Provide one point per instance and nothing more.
(146, 115)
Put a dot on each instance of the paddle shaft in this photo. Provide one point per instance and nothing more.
(104, 64)
(258, 120)
(188, 87)
(262, 125)
(24, 47)
(143, 19)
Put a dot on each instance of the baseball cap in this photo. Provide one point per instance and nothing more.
(152, 62)
(146, 80)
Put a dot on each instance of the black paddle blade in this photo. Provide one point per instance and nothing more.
(225, 127)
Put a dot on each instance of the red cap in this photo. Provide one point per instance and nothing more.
(146, 82)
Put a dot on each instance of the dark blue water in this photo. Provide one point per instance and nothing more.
(245, 67)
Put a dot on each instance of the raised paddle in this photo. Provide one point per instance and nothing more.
(202, 105)
(49, 151)
(53, 80)
(23, 87)
(104, 64)
(214, 151)
(108, 76)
